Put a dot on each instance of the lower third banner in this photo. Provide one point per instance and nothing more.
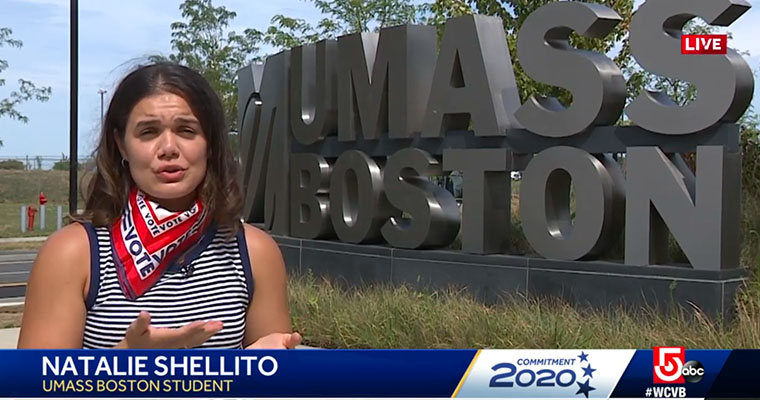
(664, 372)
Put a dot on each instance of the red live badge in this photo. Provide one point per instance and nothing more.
(704, 44)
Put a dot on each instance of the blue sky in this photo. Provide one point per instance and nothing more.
(114, 33)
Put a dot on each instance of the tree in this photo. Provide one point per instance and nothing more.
(26, 90)
(12, 164)
(202, 42)
(437, 12)
(341, 17)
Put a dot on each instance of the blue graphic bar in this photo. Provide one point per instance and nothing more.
(225, 374)
(557, 374)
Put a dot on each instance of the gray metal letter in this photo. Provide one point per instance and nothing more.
(313, 91)
(266, 140)
(249, 87)
(473, 80)
(724, 83)
(545, 203)
(358, 206)
(434, 212)
(544, 51)
(486, 197)
(384, 81)
(703, 213)
(254, 147)
(309, 201)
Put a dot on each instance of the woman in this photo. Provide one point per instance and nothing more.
(159, 258)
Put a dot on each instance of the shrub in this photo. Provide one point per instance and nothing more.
(12, 164)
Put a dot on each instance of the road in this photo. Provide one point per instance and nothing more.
(14, 271)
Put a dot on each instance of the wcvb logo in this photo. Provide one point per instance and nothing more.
(668, 364)
(704, 44)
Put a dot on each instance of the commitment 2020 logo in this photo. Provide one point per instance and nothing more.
(524, 373)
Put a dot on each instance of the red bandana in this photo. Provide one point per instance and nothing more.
(148, 238)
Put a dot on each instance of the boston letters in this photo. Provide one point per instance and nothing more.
(338, 138)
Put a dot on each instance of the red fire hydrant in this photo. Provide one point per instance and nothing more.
(30, 211)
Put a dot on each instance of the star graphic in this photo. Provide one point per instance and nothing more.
(584, 388)
(583, 357)
(588, 371)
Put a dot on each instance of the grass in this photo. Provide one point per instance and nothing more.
(399, 317)
(750, 253)
(24, 187)
(19, 188)
(11, 220)
(329, 316)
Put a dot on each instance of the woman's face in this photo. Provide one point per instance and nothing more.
(166, 149)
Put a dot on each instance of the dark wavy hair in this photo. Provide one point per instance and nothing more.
(108, 189)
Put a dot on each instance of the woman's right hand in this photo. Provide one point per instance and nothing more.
(141, 335)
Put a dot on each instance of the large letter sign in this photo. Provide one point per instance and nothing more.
(339, 139)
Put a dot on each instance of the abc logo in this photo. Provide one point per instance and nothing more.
(693, 371)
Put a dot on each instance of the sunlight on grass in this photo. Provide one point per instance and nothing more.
(384, 317)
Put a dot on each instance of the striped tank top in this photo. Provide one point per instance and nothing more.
(215, 284)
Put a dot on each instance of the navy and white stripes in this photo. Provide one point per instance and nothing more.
(219, 288)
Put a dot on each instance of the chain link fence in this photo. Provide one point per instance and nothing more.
(39, 162)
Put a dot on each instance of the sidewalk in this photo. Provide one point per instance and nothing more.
(8, 338)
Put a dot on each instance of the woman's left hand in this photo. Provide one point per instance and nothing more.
(277, 341)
